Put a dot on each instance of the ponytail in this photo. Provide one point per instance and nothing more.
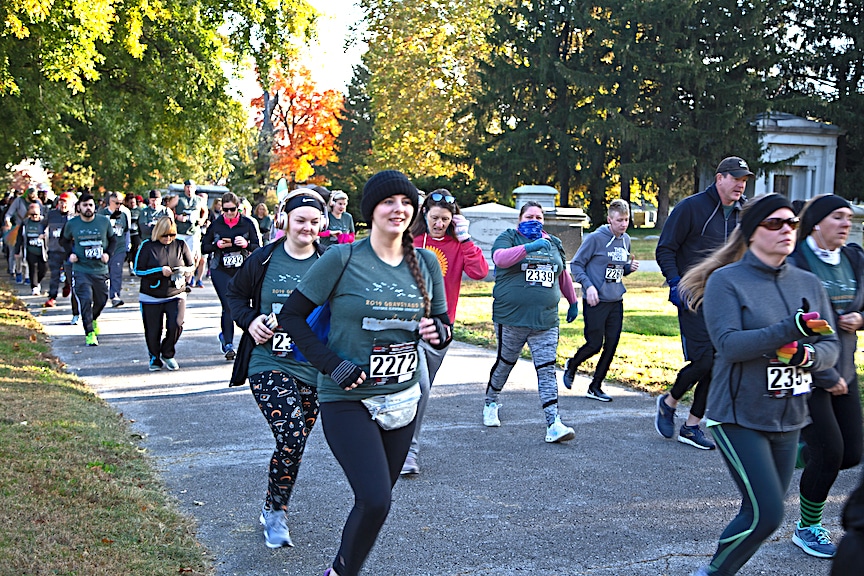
(410, 256)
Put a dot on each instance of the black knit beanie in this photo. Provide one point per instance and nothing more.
(816, 210)
(756, 210)
(383, 185)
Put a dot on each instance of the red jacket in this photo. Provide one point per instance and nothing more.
(455, 258)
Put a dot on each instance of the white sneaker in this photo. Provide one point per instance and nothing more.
(490, 415)
(37, 290)
(558, 432)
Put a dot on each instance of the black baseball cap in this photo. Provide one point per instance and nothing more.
(735, 166)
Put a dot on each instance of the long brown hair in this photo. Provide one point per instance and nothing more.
(410, 255)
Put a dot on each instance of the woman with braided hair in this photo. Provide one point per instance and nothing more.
(384, 296)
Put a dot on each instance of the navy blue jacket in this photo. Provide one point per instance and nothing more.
(696, 227)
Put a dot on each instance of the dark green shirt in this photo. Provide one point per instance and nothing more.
(90, 241)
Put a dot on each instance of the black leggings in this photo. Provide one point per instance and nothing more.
(833, 440)
(174, 311)
(220, 280)
(37, 269)
(371, 459)
(603, 324)
(761, 464)
(291, 409)
(697, 372)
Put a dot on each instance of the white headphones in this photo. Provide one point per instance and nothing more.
(281, 219)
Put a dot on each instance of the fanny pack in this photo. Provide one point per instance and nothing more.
(396, 410)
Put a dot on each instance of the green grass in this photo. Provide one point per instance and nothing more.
(77, 494)
(641, 247)
(649, 354)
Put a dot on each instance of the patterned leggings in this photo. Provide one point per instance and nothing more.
(544, 346)
(291, 409)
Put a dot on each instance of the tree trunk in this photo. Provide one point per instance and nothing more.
(265, 141)
(662, 202)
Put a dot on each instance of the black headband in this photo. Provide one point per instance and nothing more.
(303, 200)
(818, 210)
(757, 210)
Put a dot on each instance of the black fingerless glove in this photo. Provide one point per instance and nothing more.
(346, 374)
(445, 334)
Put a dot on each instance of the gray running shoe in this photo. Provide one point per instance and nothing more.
(275, 524)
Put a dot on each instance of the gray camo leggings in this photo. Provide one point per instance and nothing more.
(544, 346)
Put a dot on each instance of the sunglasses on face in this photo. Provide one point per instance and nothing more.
(777, 223)
(169, 235)
(229, 209)
(437, 197)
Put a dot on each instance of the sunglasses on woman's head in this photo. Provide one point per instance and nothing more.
(437, 197)
(777, 223)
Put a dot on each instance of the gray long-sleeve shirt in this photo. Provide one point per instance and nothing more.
(749, 311)
(602, 261)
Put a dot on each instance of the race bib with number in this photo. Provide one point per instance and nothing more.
(281, 344)
(233, 259)
(393, 364)
(93, 252)
(786, 381)
(614, 272)
(542, 274)
(35, 242)
(56, 232)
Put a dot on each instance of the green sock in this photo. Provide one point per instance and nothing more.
(811, 512)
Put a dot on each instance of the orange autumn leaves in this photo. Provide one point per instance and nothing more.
(305, 122)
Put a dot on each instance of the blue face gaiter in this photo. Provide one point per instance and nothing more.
(531, 229)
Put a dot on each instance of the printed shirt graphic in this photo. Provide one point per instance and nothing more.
(282, 276)
(520, 299)
(90, 241)
(375, 305)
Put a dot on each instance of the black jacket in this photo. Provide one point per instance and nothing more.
(695, 228)
(218, 229)
(244, 301)
(151, 257)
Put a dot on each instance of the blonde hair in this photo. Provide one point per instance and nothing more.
(165, 225)
(619, 206)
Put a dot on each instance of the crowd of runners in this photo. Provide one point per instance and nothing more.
(768, 294)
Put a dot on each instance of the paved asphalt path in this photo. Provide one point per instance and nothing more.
(618, 500)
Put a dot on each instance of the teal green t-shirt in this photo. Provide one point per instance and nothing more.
(32, 230)
(838, 280)
(90, 240)
(282, 276)
(342, 225)
(527, 293)
(375, 311)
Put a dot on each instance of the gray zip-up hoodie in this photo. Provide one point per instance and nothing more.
(749, 311)
(602, 261)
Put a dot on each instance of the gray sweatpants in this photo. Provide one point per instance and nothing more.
(429, 362)
(544, 346)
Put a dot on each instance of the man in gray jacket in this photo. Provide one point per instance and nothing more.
(599, 266)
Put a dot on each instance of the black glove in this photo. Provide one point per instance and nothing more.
(346, 374)
(444, 334)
